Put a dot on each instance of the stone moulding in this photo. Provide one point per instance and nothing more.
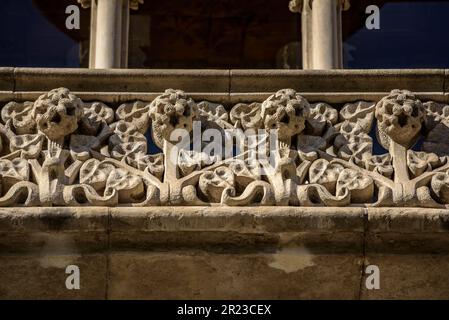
(60, 150)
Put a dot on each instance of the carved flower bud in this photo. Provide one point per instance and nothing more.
(169, 111)
(400, 116)
(57, 113)
(286, 112)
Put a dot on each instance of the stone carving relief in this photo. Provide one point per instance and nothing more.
(61, 151)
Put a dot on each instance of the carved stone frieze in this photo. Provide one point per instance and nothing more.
(286, 151)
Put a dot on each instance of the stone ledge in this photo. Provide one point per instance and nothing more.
(139, 228)
(223, 86)
(418, 80)
(223, 252)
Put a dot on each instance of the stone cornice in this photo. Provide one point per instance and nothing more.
(225, 86)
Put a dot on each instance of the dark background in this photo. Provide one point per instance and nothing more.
(226, 34)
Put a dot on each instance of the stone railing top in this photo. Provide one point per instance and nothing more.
(247, 229)
(222, 86)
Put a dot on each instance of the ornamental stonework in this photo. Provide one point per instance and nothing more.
(62, 151)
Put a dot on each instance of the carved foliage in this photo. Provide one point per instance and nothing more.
(59, 150)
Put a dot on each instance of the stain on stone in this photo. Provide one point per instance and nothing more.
(55, 222)
(59, 250)
(292, 259)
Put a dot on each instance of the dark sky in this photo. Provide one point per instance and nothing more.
(412, 34)
(27, 39)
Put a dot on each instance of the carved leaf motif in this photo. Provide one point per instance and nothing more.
(245, 172)
(135, 113)
(436, 113)
(20, 116)
(361, 187)
(420, 162)
(127, 143)
(213, 112)
(246, 116)
(125, 132)
(213, 183)
(353, 144)
(189, 161)
(360, 112)
(95, 114)
(95, 173)
(325, 173)
(351, 129)
(307, 144)
(29, 144)
(81, 146)
(321, 115)
(323, 112)
(153, 163)
(356, 151)
(130, 187)
(129, 151)
(13, 171)
(440, 186)
(380, 164)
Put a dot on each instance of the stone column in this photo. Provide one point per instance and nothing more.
(109, 32)
(321, 32)
(93, 28)
(324, 38)
(108, 40)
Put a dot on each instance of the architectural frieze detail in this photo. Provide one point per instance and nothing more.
(61, 151)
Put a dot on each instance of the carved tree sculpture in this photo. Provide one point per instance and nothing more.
(61, 151)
